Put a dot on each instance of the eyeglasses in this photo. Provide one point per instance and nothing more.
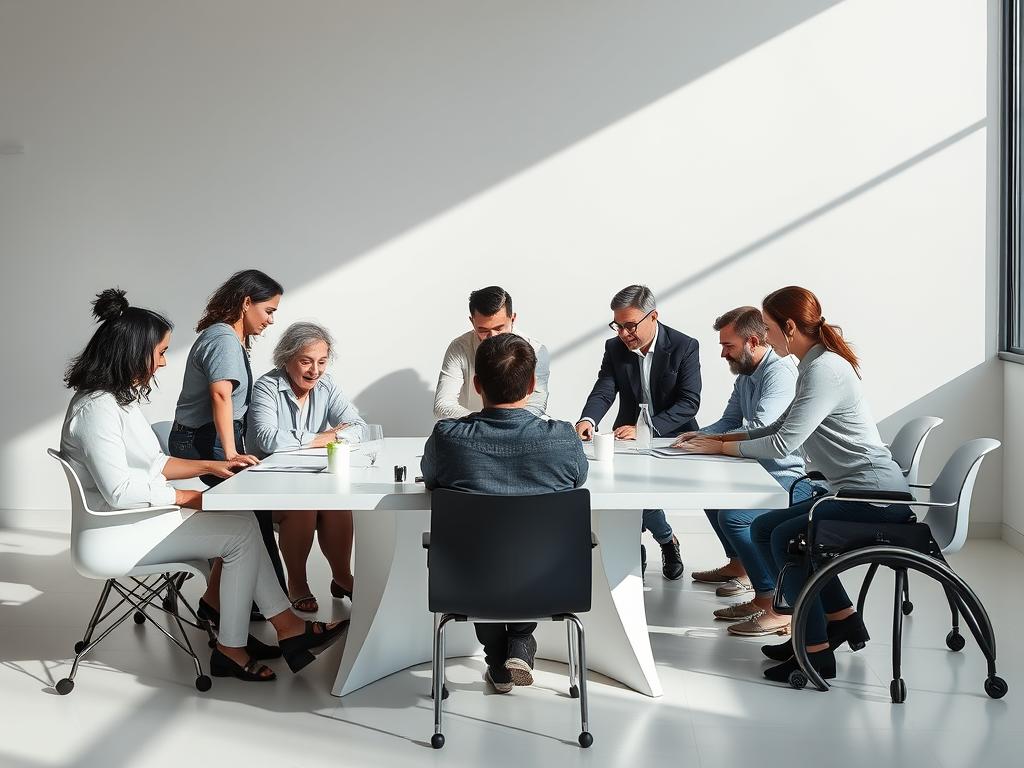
(629, 328)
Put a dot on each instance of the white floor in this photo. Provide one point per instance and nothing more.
(134, 703)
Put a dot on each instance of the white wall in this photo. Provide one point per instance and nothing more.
(383, 159)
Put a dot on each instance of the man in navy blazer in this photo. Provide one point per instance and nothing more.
(647, 363)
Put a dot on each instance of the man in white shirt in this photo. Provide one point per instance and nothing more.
(490, 314)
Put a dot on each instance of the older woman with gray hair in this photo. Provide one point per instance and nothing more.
(299, 405)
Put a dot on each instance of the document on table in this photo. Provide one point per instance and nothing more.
(308, 452)
(302, 468)
(679, 453)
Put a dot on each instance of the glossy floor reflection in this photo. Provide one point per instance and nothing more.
(134, 703)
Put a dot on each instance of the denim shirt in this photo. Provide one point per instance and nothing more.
(759, 399)
(504, 451)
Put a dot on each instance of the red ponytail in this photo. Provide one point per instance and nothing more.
(803, 308)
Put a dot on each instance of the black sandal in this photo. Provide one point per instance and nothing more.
(297, 651)
(252, 672)
(340, 592)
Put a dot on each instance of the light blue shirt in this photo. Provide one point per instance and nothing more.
(277, 423)
(758, 400)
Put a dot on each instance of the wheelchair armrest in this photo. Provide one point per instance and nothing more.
(425, 539)
(890, 496)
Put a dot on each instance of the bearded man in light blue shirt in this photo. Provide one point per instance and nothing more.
(764, 388)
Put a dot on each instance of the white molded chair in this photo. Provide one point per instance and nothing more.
(907, 446)
(103, 546)
(948, 515)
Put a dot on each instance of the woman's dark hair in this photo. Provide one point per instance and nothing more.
(119, 357)
(803, 308)
(225, 305)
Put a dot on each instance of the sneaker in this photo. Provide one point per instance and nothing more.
(760, 625)
(714, 576)
(499, 678)
(739, 612)
(521, 654)
(671, 560)
(735, 587)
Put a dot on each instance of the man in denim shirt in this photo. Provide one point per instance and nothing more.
(505, 450)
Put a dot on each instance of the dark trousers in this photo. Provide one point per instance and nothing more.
(495, 638)
(203, 443)
(772, 531)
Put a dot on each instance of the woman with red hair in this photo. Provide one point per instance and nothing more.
(830, 422)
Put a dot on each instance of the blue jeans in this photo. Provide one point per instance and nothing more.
(733, 529)
(772, 531)
(655, 522)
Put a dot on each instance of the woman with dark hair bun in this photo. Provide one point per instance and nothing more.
(209, 421)
(115, 453)
(830, 422)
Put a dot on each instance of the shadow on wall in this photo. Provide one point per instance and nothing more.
(323, 132)
(966, 416)
(401, 402)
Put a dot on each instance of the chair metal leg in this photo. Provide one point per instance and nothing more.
(954, 640)
(570, 631)
(898, 688)
(437, 740)
(444, 688)
(585, 738)
(203, 682)
(100, 604)
(872, 570)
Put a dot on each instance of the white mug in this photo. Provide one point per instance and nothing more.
(338, 458)
(604, 446)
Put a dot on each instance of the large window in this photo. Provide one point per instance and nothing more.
(1013, 169)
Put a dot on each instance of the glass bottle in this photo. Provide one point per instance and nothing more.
(644, 429)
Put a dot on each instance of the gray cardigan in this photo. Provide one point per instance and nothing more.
(830, 421)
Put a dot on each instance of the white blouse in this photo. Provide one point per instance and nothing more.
(115, 454)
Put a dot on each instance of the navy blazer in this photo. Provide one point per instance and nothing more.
(675, 384)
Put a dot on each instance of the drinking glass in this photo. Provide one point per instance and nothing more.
(373, 441)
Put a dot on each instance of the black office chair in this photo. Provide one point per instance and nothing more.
(510, 559)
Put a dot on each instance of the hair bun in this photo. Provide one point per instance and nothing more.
(109, 304)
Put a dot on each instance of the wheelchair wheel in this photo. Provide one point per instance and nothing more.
(955, 641)
(898, 691)
(996, 687)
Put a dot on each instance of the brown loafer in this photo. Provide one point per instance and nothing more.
(714, 576)
(739, 612)
(735, 587)
(761, 625)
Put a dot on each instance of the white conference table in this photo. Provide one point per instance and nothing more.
(391, 628)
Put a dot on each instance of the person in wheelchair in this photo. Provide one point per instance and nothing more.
(830, 423)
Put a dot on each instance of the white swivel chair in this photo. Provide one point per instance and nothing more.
(102, 547)
(948, 516)
(907, 446)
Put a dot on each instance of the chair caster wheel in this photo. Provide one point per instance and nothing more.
(139, 617)
(203, 683)
(996, 687)
(908, 607)
(437, 740)
(797, 679)
(586, 739)
(574, 691)
(444, 695)
(65, 686)
(898, 691)
(955, 641)
(79, 646)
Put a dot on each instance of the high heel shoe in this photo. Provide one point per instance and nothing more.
(339, 591)
(224, 666)
(823, 661)
(849, 630)
(297, 651)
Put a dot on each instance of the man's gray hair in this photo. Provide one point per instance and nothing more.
(297, 337)
(635, 297)
(746, 321)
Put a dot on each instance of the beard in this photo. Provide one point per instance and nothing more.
(744, 366)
